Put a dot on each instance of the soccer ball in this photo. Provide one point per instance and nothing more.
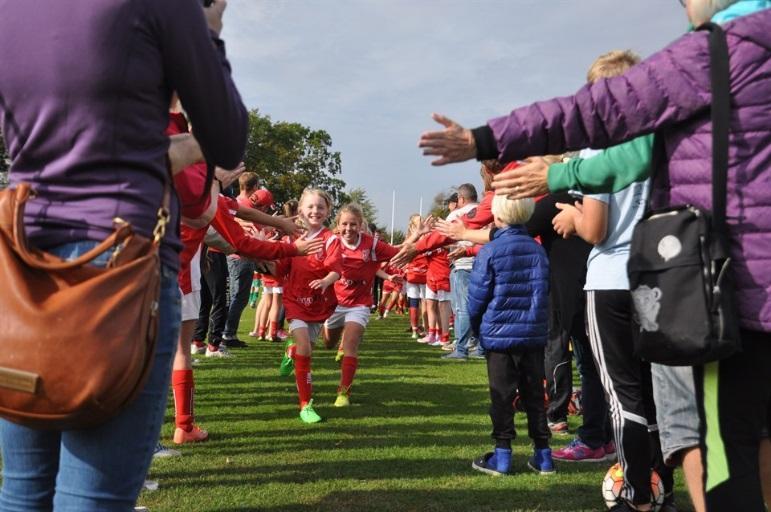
(614, 481)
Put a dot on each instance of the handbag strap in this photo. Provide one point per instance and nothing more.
(721, 116)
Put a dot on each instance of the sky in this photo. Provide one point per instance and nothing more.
(371, 72)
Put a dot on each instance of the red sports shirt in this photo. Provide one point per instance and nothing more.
(300, 300)
(438, 275)
(190, 182)
(360, 263)
(416, 269)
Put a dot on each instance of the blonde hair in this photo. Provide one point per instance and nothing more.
(611, 64)
(354, 209)
(513, 211)
(310, 191)
(415, 220)
(290, 208)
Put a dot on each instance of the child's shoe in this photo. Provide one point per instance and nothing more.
(197, 347)
(495, 463)
(308, 414)
(339, 356)
(541, 461)
(342, 400)
(559, 428)
(196, 435)
(578, 451)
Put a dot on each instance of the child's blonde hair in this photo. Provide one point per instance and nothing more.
(310, 191)
(290, 208)
(612, 64)
(415, 220)
(355, 210)
(513, 211)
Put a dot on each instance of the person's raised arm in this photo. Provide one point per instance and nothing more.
(285, 224)
(195, 67)
(458, 231)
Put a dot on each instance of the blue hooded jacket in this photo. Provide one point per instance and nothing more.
(508, 295)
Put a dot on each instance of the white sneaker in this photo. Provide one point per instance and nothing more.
(195, 349)
(436, 343)
(426, 339)
(161, 452)
(221, 352)
(414, 335)
(449, 347)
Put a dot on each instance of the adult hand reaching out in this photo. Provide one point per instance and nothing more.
(455, 230)
(527, 180)
(289, 226)
(405, 255)
(453, 144)
(306, 247)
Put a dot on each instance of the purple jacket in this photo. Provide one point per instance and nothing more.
(84, 100)
(670, 93)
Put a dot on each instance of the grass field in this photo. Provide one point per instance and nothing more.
(405, 444)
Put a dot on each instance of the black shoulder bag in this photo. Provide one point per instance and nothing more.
(679, 265)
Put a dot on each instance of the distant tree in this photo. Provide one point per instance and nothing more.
(359, 196)
(289, 157)
(439, 206)
(398, 237)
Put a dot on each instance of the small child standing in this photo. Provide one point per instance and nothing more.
(508, 301)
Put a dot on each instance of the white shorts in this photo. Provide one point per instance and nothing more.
(314, 328)
(416, 291)
(191, 305)
(273, 289)
(441, 295)
(344, 314)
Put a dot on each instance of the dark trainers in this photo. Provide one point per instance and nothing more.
(541, 461)
(233, 343)
(495, 463)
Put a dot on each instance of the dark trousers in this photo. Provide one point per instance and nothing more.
(211, 316)
(507, 371)
(734, 397)
(558, 368)
(629, 391)
(240, 272)
(595, 428)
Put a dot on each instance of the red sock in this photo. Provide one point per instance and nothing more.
(346, 375)
(434, 333)
(302, 376)
(183, 385)
(261, 331)
(445, 337)
(381, 308)
(414, 318)
(273, 329)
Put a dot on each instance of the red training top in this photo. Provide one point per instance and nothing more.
(300, 300)
(360, 263)
(416, 269)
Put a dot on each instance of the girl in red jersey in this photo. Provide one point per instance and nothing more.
(392, 287)
(416, 282)
(361, 255)
(309, 298)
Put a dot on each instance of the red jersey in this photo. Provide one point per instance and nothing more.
(438, 275)
(269, 280)
(390, 286)
(300, 300)
(416, 269)
(477, 218)
(360, 263)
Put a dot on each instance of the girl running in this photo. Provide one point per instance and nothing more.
(361, 256)
(309, 298)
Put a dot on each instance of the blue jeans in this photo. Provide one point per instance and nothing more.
(459, 279)
(241, 272)
(98, 469)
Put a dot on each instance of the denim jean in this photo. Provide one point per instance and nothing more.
(459, 279)
(240, 272)
(102, 468)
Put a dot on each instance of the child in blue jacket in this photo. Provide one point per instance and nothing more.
(508, 306)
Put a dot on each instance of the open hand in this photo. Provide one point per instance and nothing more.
(527, 180)
(306, 247)
(563, 222)
(453, 144)
(458, 252)
(405, 255)
(455, 230)
(319, 284)
(289, 226)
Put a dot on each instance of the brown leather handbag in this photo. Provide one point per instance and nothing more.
(78, 341)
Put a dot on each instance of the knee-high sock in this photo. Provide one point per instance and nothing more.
(302, 375)
(347, 372)
(413, 317)
(183, 386)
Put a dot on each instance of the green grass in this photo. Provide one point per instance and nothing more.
(406, 443)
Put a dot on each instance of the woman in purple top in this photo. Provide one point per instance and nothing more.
(670, 93)
(85, 87)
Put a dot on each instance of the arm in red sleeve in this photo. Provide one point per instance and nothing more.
(473, 250)
(432, 241)
(480, 216)
(245, 245)
(385, 251)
